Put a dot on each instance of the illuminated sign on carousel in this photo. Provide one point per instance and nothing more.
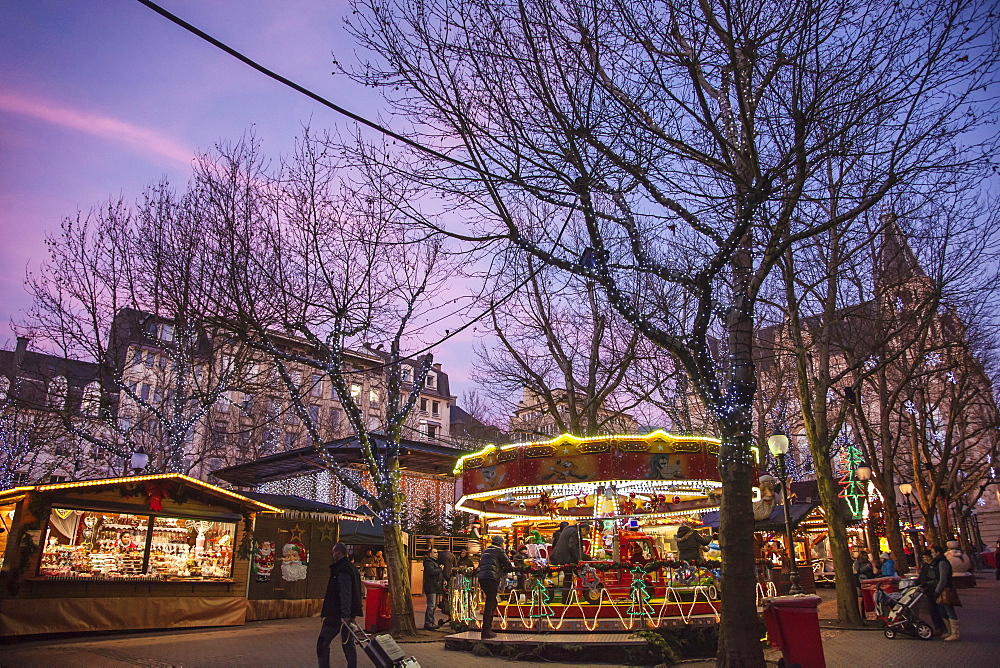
(657, 475)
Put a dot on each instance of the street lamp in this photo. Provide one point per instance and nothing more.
(139, 460)
(777, 443)
(906, 489)
(864, 473)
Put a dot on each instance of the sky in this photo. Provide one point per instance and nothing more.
(99, 99)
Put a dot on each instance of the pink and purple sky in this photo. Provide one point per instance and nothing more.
(101, 98)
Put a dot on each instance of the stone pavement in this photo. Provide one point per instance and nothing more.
(290, 642)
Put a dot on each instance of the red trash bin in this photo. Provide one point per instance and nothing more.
(888, 584)
(378, 612)
(793, 627)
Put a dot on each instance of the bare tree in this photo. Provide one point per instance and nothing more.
(677, 145)
(560, 349)
(307, 265)
(121, 289)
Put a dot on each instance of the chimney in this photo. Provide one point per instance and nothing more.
(19, 352)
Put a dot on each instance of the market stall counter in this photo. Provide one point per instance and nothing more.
(141, 552)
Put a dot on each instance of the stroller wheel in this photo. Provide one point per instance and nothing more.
(890, 633)
(924, 631)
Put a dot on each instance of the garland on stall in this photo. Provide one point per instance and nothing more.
(248, 546)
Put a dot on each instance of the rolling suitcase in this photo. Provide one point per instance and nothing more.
(382, 650)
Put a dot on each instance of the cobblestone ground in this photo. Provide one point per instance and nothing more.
(288, 643)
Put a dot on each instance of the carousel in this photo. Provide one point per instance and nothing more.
(631, 506)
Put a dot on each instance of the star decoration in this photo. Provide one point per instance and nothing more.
(296, 533)
(326, 532)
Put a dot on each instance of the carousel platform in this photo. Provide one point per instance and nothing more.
(464, 641)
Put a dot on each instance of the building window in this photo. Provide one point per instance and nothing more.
(20, 478)
(57, 478)
(336, 416)
(431, 380)
(91, 402)
(316, 388)
(314, 415)
(373, 397)
(406, 373)
(150, 360)
(435, 408)
(423, 405)
(356, 391)
(144, 391)
(291, 438)
(432, 431)
(57, 392)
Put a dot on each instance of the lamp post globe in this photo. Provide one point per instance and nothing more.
(139, 460)
(777, 443)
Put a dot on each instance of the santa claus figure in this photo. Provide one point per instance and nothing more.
(263, 562)
(293, 561)
(768, 498)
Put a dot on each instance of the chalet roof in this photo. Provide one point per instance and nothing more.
(208, 489)
(419, 456)
(292, 502)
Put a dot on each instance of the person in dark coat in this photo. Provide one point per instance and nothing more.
(447, 560)
(432, 586)
(341, 605)
(928, 580)
(567, 550)
(465, 560)
(944, 582)
(493, 566)
(689, 543)
(556, 534)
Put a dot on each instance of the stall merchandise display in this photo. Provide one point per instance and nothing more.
(110, 546)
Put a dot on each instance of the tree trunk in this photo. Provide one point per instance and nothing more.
(399, 580)
(895, 536)
(739, 633)
(847, 600)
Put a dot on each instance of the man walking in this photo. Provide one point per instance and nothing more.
(447, 560)
(341, 605)
(432, 586)
(493, 565)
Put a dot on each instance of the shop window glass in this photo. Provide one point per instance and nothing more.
(113, 546)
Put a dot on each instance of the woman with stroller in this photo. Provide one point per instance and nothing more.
(944, 592)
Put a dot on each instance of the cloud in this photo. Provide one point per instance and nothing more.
(141, 140)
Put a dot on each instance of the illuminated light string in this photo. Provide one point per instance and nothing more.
(142, 478)
(327, 488)
(670, 607)
(570, 438)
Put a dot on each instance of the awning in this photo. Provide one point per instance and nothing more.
(361, 532)
(432, 458)
(776, 522)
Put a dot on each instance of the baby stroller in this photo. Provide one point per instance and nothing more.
(898, 611)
